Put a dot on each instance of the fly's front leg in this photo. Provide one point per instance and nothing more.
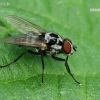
(66, 64)
(57, 58)
(68, 70)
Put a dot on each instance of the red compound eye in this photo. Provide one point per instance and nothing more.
(67, 46)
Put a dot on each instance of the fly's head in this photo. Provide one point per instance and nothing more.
(68, 47)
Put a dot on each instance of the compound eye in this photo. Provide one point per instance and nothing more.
(67, 46)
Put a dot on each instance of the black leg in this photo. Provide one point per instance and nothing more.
(14, 60)
(32, 52)
(57, 58)
(36, 53)
(39, 53)
(42, 66)
(68, 70)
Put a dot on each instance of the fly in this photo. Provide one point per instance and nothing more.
(45, 42)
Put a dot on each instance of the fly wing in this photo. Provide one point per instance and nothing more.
(26, 40)
(24, 25)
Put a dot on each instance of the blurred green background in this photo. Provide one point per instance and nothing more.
(75, 20)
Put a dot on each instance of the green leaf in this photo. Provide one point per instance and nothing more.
(70, 19)
(2, 24)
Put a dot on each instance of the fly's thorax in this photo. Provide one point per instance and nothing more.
(68, 47)
(54, 41)
(52, 51)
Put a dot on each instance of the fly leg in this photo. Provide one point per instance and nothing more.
(32, 52)
(66, 64)
(57, 58)
(42, 54)
(42, 66)
(36, 53)
(68, 70)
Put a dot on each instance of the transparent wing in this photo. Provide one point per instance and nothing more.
(26, 40)
(24, 25)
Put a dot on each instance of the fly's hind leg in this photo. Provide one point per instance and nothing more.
(32, 52)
